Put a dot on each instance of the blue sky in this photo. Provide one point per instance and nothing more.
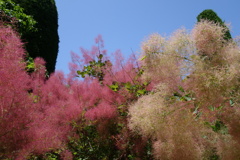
(124, 24)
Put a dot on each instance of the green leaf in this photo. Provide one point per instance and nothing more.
(211, 108)
(177, 95)
(220, 107)
(141, 92)
(114, 87)
(79, 72)
(128, 85)
(145, 83)
(196, 110)
(186, 98)
(220, 127)
(231, 103)
(82, 74)
(141, 59)
(181, 89)
(100, 56)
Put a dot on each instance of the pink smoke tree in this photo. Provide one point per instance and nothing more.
(105, 86)
(14, 99)
(36, 113)
(179, 101)
(55, 116)
(193, 108)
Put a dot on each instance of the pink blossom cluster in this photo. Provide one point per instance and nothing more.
(36, 113)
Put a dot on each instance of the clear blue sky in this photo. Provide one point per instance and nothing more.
(124, 24)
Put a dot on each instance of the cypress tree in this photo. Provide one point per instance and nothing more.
(210, 15)
(44, 42)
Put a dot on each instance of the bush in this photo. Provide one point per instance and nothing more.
(35, 114)
(192, 110)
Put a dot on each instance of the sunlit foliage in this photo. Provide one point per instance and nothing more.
(193, 114)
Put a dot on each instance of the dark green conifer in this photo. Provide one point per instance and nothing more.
(210, 15)
(44, 42)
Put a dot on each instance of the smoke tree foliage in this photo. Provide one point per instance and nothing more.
(182, 97)
(13, 96)
(193, 109)
(42, 118)
(108, 87)
(35, 113)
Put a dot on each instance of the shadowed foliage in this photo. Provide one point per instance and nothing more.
(14, 15)
(44, 42)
